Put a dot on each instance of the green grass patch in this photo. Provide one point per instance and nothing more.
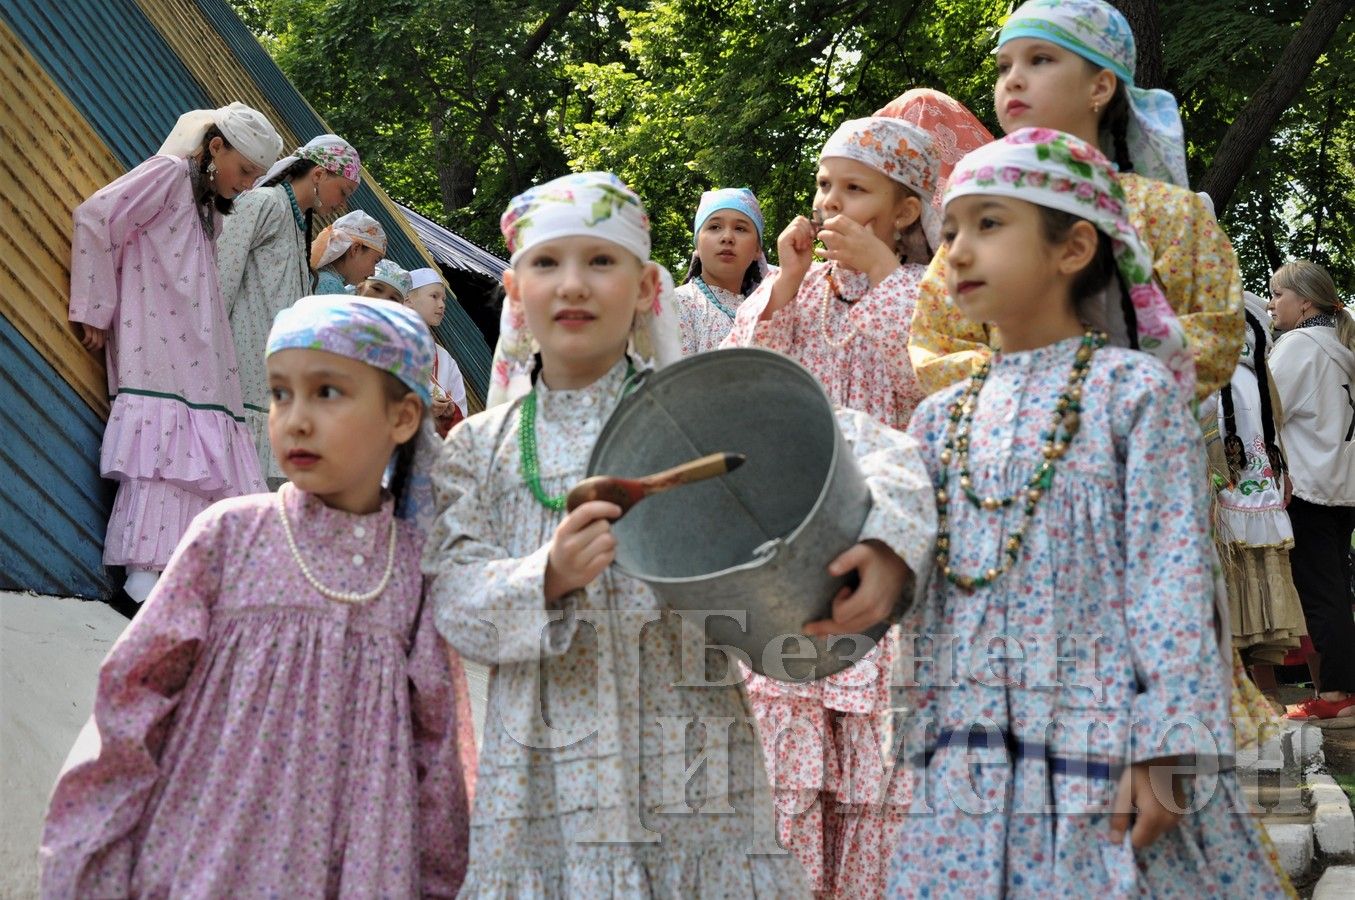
(1347, 782)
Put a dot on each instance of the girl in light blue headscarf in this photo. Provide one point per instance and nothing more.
(1069, 65)
(727, 264)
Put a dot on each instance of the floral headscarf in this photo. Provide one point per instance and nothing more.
(246, 129)
(741, 200)
(901, 151)
(1099, 33)
(388, 337)
(328, 151)
(595, 204)
(1059, 171)
(955, 130)
(388, 272)
(352, 228)
(384, 335)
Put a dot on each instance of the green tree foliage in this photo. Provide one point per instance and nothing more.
(457, 106)
(1297, 198)
(454, 106)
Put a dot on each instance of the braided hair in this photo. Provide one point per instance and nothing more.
(296, 170)
(204, 178)
(1233, 449)
(751, 278)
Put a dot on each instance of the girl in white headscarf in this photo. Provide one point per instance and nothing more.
(144, 288)
(263, 259)
(346, 252)
(582, 790)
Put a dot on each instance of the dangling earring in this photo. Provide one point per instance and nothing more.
(1096, 109)
(318, 204)
(211, 171)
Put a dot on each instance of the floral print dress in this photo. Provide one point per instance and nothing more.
(143, 266)
(256, 738)
(584, 787)
(1117, 562)
(704, 320)
(261, 264)
(837, 808)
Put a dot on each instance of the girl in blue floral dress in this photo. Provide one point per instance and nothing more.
(1072, 709)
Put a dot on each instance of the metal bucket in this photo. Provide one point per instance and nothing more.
(758, 540)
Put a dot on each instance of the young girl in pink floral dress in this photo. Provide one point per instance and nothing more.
(144, 289)
(281, 719)
(847, 320)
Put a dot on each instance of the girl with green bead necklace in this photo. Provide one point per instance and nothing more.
(588, 740)
(1073, 534)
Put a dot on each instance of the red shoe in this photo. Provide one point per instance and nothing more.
(1315, 709)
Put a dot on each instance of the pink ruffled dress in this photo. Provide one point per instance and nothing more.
(840, 804)
(143, 268)
(259, 739)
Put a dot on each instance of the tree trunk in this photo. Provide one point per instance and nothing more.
(1256, 121)
(456, 174)
(1323, 195)
(1145, 20)
(1268, 244)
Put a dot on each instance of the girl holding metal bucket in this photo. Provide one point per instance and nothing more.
(586, 787)
(1095, 745)
(847, 320)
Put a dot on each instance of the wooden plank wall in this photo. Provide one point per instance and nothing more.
(52, 160)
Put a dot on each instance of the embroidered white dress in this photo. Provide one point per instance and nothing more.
(584, 788)
(261, 264)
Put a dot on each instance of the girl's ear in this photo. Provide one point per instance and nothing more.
(649, 287)
(910, 210)
(1103, 87)
(512, 293)
(214, 147)
(406, 415)
(1078, 249)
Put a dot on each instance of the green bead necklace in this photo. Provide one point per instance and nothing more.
(296, 207)
(530, 464)
(531, 468)
(1067, 421)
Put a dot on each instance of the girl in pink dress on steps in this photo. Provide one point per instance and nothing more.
(144, 289)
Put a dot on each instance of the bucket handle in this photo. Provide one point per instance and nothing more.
(768, 550)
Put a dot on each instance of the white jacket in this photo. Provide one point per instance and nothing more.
(1314, 374)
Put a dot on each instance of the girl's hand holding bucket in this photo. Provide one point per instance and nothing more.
(882, 578)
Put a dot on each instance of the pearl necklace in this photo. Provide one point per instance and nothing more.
(342, 596)
(831, 292)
